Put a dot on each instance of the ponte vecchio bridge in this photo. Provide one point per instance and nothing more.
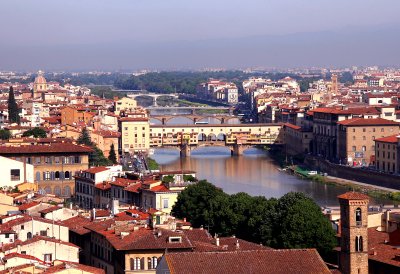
(237, 137)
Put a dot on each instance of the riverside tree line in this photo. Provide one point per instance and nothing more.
(293, 221)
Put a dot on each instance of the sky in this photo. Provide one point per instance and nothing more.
(195, 34)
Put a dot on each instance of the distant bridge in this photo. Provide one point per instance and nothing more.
(155, 96)
(237, 137)
(224, 119)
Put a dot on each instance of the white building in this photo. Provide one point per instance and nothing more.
(14, 172)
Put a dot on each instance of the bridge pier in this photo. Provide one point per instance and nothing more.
(237, 150)
(185, 150)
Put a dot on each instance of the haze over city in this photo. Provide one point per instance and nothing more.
(104, 35)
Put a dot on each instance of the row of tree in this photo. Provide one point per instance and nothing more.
(293, 221)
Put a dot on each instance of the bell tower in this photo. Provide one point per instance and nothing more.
(354, 233)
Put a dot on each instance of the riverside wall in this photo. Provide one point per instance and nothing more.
(355, 174)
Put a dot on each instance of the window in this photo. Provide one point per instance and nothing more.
(354, 148)
(358, 216)
(57, 175)
(364, 138)
(22, 227)
(67, 174)
(37, 160)
(47, 160)
(136, 263)
(57, 160)
(47, 257)
(177, 239)
(364, 148)
(165, 203)
(43, 233)
(15, 174)
(382, 130)
(152, 262)
(363, 129)
(29, 235)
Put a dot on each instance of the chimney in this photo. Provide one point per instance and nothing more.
(237, 244)
(217, 241)
(387, 217)
(93, 214)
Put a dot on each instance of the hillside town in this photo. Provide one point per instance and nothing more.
(79, 194)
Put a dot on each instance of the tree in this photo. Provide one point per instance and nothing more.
(5, 134)
(299, 223)
(36, 132)
(112, 156)
(198, 204)
(189, 178)
(13, 111)
(84, 138)
(168, 179)
(96, 157)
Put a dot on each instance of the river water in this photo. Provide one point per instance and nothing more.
(254, 173)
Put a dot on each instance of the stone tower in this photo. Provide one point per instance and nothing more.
(354, 233)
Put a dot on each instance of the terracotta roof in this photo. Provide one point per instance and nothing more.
(384, 252)
(76, 224)
(27, 206)
(389, 139)
(35, 239)
(292, 126)
(97, 169)
(123, 182)
(351, 195)
(281, 261)
(50, 209)
(70, 266)
(48, 148)
(368, 122)
(103, 186)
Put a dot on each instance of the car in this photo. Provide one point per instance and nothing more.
(312, 172)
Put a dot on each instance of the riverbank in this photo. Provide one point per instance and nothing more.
(374, 191)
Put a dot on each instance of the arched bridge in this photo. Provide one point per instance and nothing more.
(237, 137)
(155, 96)
(164, 119)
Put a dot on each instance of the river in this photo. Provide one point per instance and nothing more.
(254, 173)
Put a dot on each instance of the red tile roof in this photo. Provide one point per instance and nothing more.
(292, 126)
(70, 266)
(389, 139)
(97, 169)
(103, 186)
(351, 195)
(368, 122)
(283, 261)
(27, 206)
(381, 251)
(46, 148)
(76, 224)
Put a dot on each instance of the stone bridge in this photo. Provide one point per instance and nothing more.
(224, 119)
(237, 137)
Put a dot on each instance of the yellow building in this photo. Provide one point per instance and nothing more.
(125, 104)
(135, 135)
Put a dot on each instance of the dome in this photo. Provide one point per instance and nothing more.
(40, 78)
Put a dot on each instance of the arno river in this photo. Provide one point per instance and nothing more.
(254, 173)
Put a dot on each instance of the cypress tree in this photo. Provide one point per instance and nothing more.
(13, 111)
(84, 138)
(112, 156)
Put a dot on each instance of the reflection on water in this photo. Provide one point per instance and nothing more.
(253, 173)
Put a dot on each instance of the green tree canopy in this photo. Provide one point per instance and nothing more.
(299, 223)
(112, 156)
(293, 221)
(5, 134)
(35, 132)
(13, 111)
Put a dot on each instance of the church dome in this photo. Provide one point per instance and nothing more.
(40, 78)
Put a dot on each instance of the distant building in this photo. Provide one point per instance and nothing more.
(124, 104)
(387, 154)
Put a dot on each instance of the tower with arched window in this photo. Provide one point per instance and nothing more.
(354, 233)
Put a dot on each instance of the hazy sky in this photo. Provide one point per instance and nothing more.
(170, 34)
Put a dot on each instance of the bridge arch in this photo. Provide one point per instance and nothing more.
(201, 137)
(212, 137)
(221, 137)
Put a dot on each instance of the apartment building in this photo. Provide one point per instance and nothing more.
(54, 164)
(135, 135)
(356, 139)
(386, 154)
